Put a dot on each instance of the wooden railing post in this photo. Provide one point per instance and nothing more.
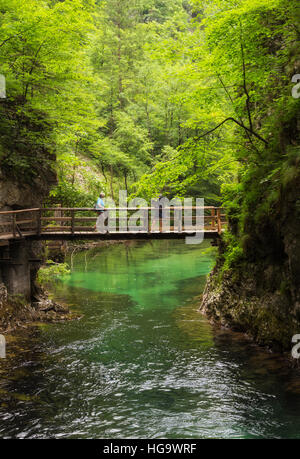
(14, 225)
(213, 219)
(39, 222)
(59, 213)
(219, 220)
(73, 221)
(146, 220)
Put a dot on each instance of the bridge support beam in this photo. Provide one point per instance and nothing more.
(16, 270)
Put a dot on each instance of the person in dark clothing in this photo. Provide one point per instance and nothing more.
(160, 213)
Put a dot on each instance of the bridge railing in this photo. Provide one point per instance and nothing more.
(78, 221)
(14, 223)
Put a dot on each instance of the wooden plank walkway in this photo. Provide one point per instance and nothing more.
(79, 223)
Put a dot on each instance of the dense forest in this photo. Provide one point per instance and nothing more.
(120, 92)
(184, 98)
(146, 95)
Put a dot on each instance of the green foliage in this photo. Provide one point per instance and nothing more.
(155, 96)
(112, 85)
(79, 182)
(247, 54)
(41, 52)
(51, 272)
(234, 254)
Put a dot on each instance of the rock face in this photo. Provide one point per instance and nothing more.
(21, 299)
(261, 294)
(16, 194)
(3, 295)
(20, 195)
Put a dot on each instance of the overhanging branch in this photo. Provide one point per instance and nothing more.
(239, 124)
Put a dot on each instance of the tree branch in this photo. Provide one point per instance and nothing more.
(34, 62)
(244, 81)
(7, 39)
(239, 124)
(232, 103)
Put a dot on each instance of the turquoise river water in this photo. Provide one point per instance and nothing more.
(142, 362)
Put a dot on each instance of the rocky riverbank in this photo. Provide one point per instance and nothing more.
(16, 312)
(259, 291)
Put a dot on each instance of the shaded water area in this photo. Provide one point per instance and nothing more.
(142, 362)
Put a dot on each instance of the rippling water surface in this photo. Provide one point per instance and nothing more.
(142, 362)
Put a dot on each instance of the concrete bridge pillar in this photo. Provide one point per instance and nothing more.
(16, 268)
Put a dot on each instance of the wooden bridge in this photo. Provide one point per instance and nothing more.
(79, 223)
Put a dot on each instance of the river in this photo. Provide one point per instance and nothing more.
(142, 362)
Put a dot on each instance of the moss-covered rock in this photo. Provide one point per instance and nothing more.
(258, 292)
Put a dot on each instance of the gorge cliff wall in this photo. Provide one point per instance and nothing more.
(258, 292)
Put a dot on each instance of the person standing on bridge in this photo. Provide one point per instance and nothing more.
(100, 208)
(100, 205)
